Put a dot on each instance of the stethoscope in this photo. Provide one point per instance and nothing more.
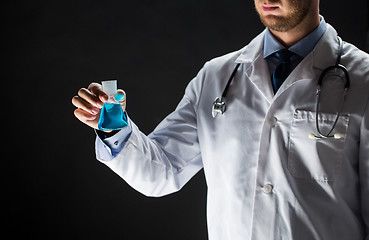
(219, 105)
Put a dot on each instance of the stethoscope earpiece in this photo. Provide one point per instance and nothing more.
(335, 136)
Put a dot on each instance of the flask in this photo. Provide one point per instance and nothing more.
(112, 116)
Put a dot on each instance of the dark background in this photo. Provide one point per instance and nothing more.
(52, 185)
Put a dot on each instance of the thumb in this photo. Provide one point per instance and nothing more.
(121, 98)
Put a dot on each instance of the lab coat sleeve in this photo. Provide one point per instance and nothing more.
(162, 162)
(364, 169)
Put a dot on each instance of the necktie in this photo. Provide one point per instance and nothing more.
(283, 69)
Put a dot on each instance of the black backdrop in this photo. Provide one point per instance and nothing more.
(54, 187)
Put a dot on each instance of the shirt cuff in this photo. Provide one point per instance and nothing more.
(108, 148)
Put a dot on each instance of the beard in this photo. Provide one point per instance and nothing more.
(299, 10)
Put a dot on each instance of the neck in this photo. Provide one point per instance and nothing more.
(290, 37)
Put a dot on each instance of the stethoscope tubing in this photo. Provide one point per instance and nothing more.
(338, 66)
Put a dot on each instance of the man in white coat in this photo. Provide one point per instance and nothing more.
(270, 174)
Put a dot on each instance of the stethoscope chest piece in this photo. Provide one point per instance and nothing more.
(219, 106)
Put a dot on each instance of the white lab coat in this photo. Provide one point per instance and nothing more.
(314, 189)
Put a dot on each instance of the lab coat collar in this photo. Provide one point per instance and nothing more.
(256, 68)
(326, 50)
(252, 50)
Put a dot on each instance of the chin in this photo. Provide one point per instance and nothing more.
(276, 23)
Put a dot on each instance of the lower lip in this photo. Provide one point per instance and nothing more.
(269, 9)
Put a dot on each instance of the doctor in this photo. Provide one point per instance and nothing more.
(266, 178)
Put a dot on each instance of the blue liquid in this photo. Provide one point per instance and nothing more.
(112, 117)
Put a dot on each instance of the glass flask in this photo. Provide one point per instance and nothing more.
(112, 116)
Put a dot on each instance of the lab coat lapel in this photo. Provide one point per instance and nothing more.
(256, 68)
(323, 55)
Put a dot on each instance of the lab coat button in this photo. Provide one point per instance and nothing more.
(268, 188)
(116, 143)
(273, 121)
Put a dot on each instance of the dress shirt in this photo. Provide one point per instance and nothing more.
(302, 48)
(108, 148)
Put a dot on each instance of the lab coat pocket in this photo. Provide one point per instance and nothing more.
(316, 159)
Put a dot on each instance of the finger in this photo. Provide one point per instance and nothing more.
(90, 97)
(96, 89)
(84, 116)
(85, 105)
